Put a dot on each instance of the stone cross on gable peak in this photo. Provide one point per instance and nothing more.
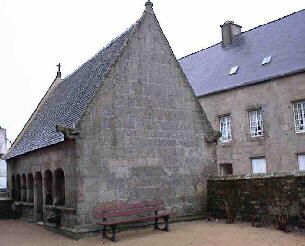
(148, 3)
(58, 71)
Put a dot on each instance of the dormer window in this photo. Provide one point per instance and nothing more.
(234, 70)
(266, 60)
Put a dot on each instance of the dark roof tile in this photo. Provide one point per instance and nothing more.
(68, 101)
(208, 70)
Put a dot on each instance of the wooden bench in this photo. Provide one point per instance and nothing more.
(146, 211)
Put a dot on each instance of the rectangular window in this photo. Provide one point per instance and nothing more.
(256, 123)
(299, 116)
(225, 128)
(301, 162)
(226, 169)
(2, 183)
(259, 165)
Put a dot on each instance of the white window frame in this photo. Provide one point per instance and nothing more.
(256, 123)
(259, 165)
(299, 116)
(301, 162)
(225, 128)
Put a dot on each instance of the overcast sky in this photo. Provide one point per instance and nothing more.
(37, 34)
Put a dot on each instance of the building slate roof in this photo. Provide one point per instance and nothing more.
(68, 101)
(284, 39)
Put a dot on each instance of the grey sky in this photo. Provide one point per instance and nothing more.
(36, 35)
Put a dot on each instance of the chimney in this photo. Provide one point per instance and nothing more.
(228, 31)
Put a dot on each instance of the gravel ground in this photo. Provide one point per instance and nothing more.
(196, 233)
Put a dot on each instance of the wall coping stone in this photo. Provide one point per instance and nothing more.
(258, 176)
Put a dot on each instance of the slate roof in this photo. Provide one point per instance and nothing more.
(68, 101)
(284, 39)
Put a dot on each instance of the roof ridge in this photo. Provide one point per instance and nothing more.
(105, 47)
(270, 22)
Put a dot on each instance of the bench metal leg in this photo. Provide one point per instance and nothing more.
(156, 227)
(104, 232)
(166, 228)
(113, 237)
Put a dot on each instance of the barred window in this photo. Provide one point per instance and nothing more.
(256, 123)
(225, 128)
(299, 116)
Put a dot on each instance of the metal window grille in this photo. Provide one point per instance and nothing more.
(299, 116)
(256, 123)
(225, 128)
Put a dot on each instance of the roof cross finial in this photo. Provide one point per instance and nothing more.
(148, 3)
(58, 71)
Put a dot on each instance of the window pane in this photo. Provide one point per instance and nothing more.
(225, 128)
(256, 123)
(301, 161)
(299, 116)
(259, 165)
(3, 183)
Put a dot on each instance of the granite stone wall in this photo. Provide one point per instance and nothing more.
(275, 98)
(143, 135)
(252, 195)
(61, 156)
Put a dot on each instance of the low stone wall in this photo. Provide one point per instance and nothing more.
(260, 195)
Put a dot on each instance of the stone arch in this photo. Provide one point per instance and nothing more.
(59, 196)
(23, 188)
(48, 182)
(38, 197)
(13, 187)
(30, 188)
(18, 188)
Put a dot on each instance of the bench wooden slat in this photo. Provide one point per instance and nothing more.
(147, 218)
(140, 212)
(128, 212)
(132, 206)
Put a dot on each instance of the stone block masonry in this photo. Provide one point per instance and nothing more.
(142, 136)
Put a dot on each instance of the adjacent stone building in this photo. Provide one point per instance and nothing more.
(252, 87)
(4, 145)
(123, 128)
